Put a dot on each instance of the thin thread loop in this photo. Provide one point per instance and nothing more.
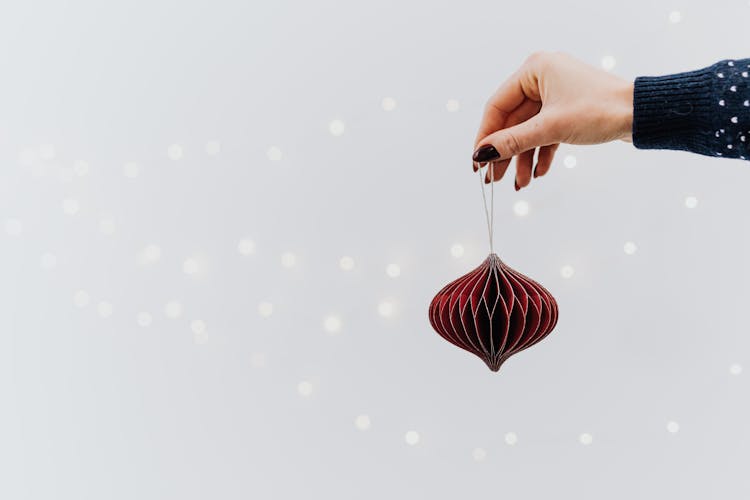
(489, 212)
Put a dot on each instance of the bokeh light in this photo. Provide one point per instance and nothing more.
(411, 438)
(346, 263)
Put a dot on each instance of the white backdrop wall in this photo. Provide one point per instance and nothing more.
(180, 181)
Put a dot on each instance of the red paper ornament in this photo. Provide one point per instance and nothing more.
(493, 312)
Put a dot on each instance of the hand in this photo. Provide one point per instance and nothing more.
(552, 98)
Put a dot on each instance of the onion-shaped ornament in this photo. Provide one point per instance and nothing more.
(494, 311)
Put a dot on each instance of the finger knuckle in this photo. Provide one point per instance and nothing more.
(537, 57)
(512, 143)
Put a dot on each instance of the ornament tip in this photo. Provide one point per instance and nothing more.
(493, 365)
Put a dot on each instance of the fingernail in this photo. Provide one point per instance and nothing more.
(517, 188)
(535, 174)
(487, 179)
(486, 153)
(474, 166)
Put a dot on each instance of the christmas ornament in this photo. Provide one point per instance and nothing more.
(494, 311)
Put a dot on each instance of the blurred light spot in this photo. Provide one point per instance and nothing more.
(691, 201)
(71, 206)
(673, 427)
(49, 261)
(13, 227)
(332, 324)
(389, 104)
(346, 263)
(362, 422)
(81, 298)
(511, 438)
(570, 161)
(735, 368)
(452, 105)
(143, 319)
(393, 270)
(190, 266)
(675, 17)
(81, 168)
(198, 326)
(131, 170)
(174, 152)
(411, 438)
(305, 388)
(47, 152)
(246, 247)
(457, 250)
(200, 335)
(107, 226)
(521, 208)
(608, 62)
(151, 253)
(586, 438)
(567, 271)
(265, 309)
(629, 247)
(336, 127)
(274, 153)
(173, 309)
(479, 454)
(258, 360)
(288, 260)
(105, 309)
(386, 308)
(213, 148)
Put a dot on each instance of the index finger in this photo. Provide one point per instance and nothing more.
(500, 105)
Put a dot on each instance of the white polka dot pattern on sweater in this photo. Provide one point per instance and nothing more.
(733, 110)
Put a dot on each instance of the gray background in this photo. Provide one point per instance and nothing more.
(142, 141)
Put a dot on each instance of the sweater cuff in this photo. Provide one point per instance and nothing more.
(673, 111)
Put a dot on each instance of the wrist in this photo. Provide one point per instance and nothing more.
(625, 111)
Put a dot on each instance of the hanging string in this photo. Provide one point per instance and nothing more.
(489, 212)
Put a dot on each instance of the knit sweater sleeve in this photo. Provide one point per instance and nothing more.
(706, 111)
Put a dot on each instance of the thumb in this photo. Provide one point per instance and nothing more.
(537, 131)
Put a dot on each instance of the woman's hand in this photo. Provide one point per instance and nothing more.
(552, 98)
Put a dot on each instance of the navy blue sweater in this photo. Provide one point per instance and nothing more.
(706, 111)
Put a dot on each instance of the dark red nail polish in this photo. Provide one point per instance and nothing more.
(474, 166)
(517, 188)
(486, 153)
(536, 174)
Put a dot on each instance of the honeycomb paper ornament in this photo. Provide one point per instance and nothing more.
(494, 311)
